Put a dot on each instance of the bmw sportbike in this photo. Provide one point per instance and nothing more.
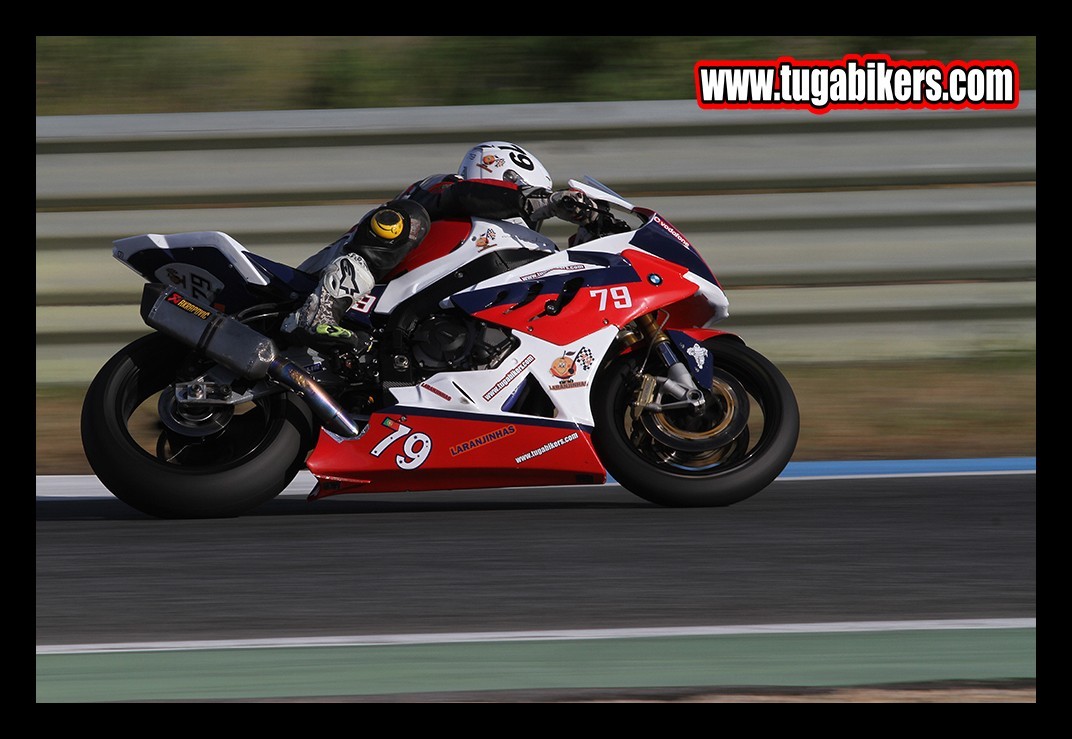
(490, 358)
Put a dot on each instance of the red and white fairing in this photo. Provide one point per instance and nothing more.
(449, 246)
(458, 429)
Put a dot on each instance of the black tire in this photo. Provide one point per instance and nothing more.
(734, 469)
(250, 461)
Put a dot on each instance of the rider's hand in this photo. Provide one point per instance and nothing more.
(569, 205)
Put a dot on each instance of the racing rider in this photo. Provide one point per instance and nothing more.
(496, 179)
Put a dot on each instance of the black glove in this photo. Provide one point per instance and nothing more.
(569, 205)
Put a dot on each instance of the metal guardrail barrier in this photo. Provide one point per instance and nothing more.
(848, 235)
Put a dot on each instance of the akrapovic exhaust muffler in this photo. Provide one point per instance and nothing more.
(237, 347)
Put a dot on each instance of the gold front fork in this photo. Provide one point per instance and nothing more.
(647, 329)
(677, 379)
(651, 329)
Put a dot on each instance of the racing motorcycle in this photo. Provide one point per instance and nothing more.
(490, 357)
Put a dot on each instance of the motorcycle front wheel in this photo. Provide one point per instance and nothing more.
(741, 442)
(250, 455)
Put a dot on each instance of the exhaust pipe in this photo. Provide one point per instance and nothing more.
(238, 348)
(287, 373)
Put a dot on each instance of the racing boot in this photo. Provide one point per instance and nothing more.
(317, 321)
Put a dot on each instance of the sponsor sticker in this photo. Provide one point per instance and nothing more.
(698, 354)
(542, 272)
(479, 441)
(509, 377)
(490, 163)
(187, 306)
(550, 446)
(486, 240)
(565, 368)
(435, 391)
(672, 231)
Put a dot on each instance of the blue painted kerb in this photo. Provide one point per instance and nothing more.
(908, 467)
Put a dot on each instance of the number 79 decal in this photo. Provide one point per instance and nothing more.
(619, 296)
(415, 449)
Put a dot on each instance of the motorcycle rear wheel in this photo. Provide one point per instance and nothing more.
(250, 460)
(729, 470)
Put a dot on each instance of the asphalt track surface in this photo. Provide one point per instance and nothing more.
(928, 549)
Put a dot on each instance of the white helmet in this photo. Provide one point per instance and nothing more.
(501, 160)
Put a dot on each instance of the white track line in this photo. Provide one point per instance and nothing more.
(559, 635)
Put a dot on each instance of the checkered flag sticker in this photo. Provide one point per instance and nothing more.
(585, 358)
